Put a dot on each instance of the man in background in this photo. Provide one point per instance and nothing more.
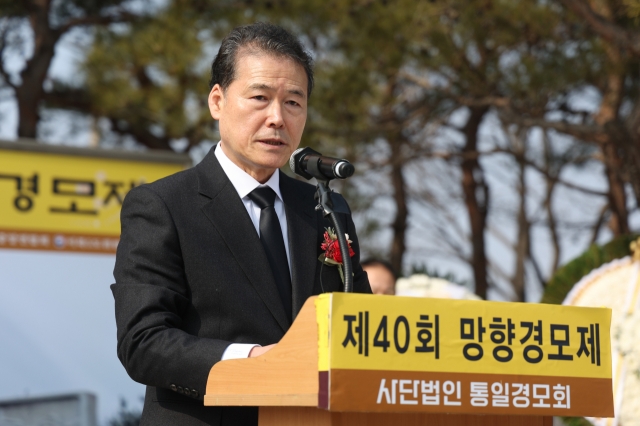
(381, 276)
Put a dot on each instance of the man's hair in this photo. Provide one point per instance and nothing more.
(260, 37)
(379, 262)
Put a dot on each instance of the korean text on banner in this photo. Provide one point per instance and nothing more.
(465, 355)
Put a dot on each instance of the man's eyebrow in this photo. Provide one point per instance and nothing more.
(262, 86)
(296, 92)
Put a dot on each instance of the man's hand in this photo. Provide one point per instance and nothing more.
(259, 350)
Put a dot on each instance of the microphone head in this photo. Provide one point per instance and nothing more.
(296, 159)
(343, 169)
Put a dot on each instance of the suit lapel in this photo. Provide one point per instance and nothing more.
(228, 215)
(303, 237)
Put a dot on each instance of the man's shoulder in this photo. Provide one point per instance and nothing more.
(176, 182)
(172, 187)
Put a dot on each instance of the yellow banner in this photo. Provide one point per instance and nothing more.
(390, 333)
(52, 201)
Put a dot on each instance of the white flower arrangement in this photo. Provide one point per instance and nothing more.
(616, 285)
(421, 285)
(625, 342)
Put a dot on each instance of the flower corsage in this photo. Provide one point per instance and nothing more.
(332, 255)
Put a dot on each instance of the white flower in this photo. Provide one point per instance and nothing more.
(421, 285)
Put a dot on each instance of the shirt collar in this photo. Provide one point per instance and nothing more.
(241, 180)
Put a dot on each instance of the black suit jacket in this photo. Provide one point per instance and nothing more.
(192, 278)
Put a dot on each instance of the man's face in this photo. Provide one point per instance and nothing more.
(262, 113)
(381, 279)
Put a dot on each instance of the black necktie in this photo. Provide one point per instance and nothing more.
(273, 243)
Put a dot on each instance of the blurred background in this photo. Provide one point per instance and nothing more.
(495, 141)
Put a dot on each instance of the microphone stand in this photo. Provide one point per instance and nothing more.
(323, 196)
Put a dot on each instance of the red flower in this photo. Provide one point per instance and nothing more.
(331, 248)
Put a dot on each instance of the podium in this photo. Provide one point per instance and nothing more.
(290, 387)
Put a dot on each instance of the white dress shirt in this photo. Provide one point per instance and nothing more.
(244, 184)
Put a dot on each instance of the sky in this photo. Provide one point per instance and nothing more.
(57, 328)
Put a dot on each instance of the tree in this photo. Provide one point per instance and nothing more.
(49, 21)
(149, 80)
(420, 63)
(461, 116)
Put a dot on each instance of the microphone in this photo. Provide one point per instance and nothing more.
(309, 163)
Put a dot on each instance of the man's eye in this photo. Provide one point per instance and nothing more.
(260, 98)
(294, 103)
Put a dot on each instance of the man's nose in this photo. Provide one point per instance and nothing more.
(274, 115)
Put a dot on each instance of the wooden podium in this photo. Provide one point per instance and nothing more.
(284, 383)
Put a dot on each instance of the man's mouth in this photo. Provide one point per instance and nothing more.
(272, 142)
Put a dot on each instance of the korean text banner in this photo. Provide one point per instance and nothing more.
(64, 201)
(463, 356)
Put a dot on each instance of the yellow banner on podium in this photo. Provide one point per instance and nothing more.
(464, 356)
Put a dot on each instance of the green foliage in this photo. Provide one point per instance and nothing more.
(576, 421)
(633, 9)
(569, 275)
(150, 80)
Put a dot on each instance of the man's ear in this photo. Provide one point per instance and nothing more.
(216, 101)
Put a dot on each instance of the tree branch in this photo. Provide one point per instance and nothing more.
(557, 180)
(537, 270)
(97, 20)
(550, 187)
(141, 135)
(585, 132)
(599, 222)
(609, 31)
(485, 101)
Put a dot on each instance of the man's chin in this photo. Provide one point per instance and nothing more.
(271, 166)
(273, 161)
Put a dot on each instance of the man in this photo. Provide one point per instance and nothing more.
(381, 276)
(217, 259)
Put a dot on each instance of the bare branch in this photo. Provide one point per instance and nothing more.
(599, 223)
(557, 180)
(495, 269)
(485, 101)
(585, 132)
(500, 236)
(551, 184)
(450, 220)
(536, 268)
(473, 155)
